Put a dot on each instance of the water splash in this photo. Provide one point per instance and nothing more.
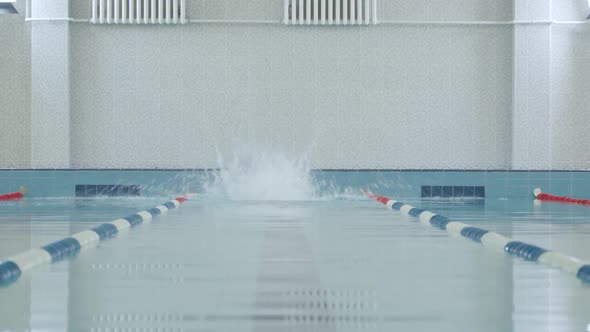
(253, 175)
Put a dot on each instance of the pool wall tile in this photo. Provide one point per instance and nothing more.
(447, 191)
(91, 190)
(426, 191)
(80, 190)
(480, 191)
(469, 191)
(102, 190)
(437, 191)
(112, 191)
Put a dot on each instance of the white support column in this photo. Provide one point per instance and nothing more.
(50, 109)
(532, 86)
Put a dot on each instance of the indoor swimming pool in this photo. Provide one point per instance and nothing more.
(323, 265)
(294, 165)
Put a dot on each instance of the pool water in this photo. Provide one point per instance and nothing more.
(325, 265)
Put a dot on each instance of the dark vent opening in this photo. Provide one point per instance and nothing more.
(110, 190)
(453, 191)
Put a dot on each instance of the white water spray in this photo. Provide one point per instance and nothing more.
(252, 175)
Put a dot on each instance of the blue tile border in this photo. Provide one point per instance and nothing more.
(385, 170)
(398, 183)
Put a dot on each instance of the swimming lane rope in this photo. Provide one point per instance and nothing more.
(560, 199)
(529, 252)
(12, 268)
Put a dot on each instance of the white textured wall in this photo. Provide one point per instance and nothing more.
(15, 87)
(532, 85)
(452, 83)
(570, 89)
(351, 97)
(551, 86)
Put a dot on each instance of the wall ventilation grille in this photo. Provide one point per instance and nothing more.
(138, 11)
(330, 12)
(111, 190)
(453, 191)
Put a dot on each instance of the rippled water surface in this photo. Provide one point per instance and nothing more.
(218, 265)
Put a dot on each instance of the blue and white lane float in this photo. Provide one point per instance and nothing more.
(495, 241)
(12, 268)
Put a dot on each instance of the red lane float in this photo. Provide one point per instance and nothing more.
(560, 199)
(378, 198)
(14, 196)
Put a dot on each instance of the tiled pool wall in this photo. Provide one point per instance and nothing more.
(496, 184)
(396, 183)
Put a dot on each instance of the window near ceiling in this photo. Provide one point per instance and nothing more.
(7, 7)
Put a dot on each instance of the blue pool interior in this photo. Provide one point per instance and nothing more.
(337, 263)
